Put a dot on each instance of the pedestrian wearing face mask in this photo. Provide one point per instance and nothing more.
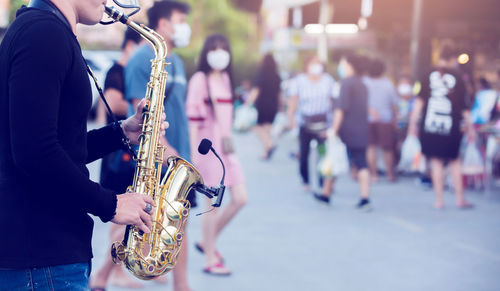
(210, 110)
(405, 92)
(167, 18)
(311, 97)
(351, 122)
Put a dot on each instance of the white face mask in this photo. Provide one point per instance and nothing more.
(218, 59)
(315, 69)
(404, 89)
(182, 34)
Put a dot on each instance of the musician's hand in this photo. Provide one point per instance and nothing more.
(132, 126)
(130, 210)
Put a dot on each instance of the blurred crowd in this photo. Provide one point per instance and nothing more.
(386, 125)
(360, 121)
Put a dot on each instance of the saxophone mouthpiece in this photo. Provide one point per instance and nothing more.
(118, 15)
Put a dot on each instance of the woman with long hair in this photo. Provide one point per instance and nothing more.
(265, 95)
(210, 111)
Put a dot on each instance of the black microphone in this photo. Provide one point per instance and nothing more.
(205, 146)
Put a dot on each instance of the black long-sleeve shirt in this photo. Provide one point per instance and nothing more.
(45, 191)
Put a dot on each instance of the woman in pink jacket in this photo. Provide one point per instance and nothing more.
(210, 112)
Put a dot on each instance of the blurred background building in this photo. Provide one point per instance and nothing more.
(405, 33)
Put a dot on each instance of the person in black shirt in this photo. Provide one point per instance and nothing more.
(350, 122)
(45, 191)
(442, 100)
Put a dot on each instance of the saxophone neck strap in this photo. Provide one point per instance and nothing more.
(47, 5)
(116, 124)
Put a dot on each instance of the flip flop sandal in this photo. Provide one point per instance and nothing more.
(465, 206)
(212, 270)
(201, 250)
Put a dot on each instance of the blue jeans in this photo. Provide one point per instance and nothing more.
(61, 277)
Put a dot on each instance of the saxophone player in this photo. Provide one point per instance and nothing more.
(45, 192)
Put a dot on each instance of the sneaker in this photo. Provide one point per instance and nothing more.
(322, 198)
(364, 205)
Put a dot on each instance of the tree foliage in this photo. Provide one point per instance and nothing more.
(221, 16)
(214, 16)
(14, 5)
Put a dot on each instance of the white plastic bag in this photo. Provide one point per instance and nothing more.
(411, 155)
(244, 118)
(472, 163)
(335, 161)
(279, 124)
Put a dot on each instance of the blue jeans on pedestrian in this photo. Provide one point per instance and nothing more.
(55, 278)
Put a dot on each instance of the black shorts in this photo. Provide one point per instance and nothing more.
(446, 149)
(357, 157)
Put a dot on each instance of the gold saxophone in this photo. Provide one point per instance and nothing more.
(147, 256)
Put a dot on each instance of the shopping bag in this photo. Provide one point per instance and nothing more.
(279, 124)
(335, 161)
(244, 118)
(419, 163)
(472, 163)
(411, 155)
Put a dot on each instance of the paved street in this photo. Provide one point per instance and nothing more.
(284, 240)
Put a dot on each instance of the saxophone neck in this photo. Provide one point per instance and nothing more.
(156, 40)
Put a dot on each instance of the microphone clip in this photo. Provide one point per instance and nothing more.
(212, 192)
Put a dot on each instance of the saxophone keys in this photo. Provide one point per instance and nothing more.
(165, 258)
(179, 236)
(118, 252)
(150, 266)
(176, 210)
(170, 235)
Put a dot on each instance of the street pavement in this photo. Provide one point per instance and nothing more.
(285, 240)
